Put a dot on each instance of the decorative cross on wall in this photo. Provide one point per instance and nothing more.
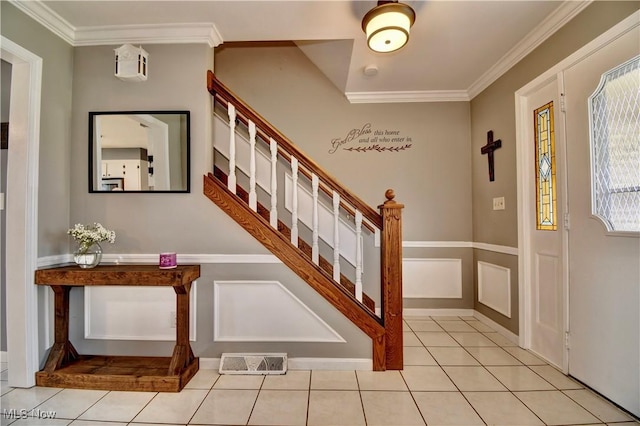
(488, 149)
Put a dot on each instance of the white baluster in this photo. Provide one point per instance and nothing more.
(336, 236)
(315, 248)
(294, 201)
(273, 214)
(253, 197)
(231, 180)
(359, 256)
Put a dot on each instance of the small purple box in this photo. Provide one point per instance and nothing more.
(168, 260)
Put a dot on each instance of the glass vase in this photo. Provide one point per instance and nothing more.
(88, 256)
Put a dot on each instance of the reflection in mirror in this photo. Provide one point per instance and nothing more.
(139, 151)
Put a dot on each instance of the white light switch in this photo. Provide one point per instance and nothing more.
(498, 203)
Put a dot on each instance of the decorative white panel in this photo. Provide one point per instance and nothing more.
(494, 287)
(265, 311)
(432, 278)
(325, 220)
(134, 313)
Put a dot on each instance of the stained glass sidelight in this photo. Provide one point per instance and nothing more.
(545, 168)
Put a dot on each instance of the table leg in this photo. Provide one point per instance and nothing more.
(182, 353)
(62, 352)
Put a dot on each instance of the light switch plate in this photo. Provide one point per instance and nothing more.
(498, 203)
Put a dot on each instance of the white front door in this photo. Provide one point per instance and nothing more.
(604, 266)
(546, 196)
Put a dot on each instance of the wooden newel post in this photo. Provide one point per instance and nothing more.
(391, 278)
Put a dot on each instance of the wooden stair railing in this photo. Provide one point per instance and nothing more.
(325, 277)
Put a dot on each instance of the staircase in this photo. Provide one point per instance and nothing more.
(315, 207)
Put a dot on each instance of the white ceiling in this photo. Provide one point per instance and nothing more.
(456, 48)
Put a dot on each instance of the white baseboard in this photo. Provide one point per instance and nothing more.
(445, 312)
(333, 364)
(497, 327)
(3, 356)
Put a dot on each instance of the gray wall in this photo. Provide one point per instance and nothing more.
(55, 119)
(494, 109)
(184, 223)
(432, 178)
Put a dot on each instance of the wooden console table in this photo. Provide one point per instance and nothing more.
(67, 369)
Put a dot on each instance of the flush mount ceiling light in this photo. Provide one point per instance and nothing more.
(387, 25)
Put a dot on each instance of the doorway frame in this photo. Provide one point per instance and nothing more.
(525, 182)
(22, 212)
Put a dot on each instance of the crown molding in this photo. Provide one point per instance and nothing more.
(148, 34)
(407, 96)
(47, 18)
(556, 20)
(118, 34)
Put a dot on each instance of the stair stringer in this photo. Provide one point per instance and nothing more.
(293, 258)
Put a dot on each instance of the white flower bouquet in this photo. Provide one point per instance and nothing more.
(88, 235)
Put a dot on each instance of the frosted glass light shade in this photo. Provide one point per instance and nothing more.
(131, 63)
(387, 26)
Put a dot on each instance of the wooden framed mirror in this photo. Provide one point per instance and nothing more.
(139, 151)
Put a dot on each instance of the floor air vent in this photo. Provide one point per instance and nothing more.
(253, 364)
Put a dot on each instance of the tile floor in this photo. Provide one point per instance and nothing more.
(458, 371)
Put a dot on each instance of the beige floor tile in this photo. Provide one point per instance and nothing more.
(472, 339)
(524, 356)
(445, 318)
(204, 379)
(446, 408)
(26, 399)
(434, 338)
(118, 406)
(95, 423)
(154, 424)
(466, 318)
(452, 356)
(280, 407)
(410, 339)
(456, 326)
(480, 326)
(598, 406)
(492, 356)
(232, 381)
(70, 403)
(334, 380)
(501, 408)
(424, 325)
(417, 356)
(623, 424)
(226, 407)
(519, 378)
(390, 408)
(293, 380)
(417, 317)
(172, 407)
(499, 339)
(41, 422)
(405, 326)
(336, 408)
(427, 378)
(555, 408)
(4, 387)
(556, 377)
(381, 380)
(473, 379)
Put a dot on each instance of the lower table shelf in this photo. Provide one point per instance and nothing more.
(124, 373)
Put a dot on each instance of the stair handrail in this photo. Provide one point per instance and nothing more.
(266, 131)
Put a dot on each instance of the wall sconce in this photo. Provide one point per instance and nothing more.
(131, 63)
(387, 25)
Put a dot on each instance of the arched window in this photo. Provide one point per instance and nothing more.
(614, 120)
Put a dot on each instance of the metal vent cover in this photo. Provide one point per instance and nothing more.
(253, 363)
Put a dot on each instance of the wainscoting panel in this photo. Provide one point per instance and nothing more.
(265, 311)
(494, 287)
(134, 313)
(432, 278)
